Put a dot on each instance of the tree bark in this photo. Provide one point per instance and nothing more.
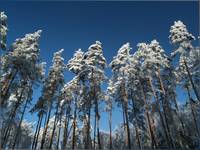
(6, 88)
(58, 140)
(36, 130)
(191, 81)
(164, 108)
(167, 135)
(193, 112)
(19, 126)
(54, 125)
(136, 124)
(12, 115)
(66, 124)
(110, 128)
(46, 126)
(153, 138)
(74, 128)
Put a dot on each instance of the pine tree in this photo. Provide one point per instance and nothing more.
(52, 85)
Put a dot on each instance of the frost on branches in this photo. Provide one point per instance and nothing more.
(3, 30)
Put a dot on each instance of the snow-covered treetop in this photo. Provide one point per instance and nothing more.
(152, 56)
(120, 61)
(58, 60)
(75, 64)
(27, 48)
(179, 33)
(3, 30)
(94, 56)
(55, 77)
(3, 16)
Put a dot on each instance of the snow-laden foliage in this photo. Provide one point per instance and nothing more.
(23, 57)
(179, 33)
(75, 64)
(3, 30)
(55, 77)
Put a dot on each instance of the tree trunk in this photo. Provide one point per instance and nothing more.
(19, 126)
(95, 128)
(46, 126)
(66, 124)
(36, 130)
(88, 143)
(34, 146)
(110, 128)
(127, 126)
(98, 133)
(74, 129)
(167, 135)
(191, 81)
(13, 114)
(193, 112)
(54, 125)
(136, 124)
(164, 108)
(58, 140)
(5, 91)
(153, 138)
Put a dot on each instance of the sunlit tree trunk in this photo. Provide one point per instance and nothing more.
(11, 117)
(165, 107)
(37, 132)
(193, 112)
(74, 127)
(154, 143)
(167, 136)
(98, 131)
(136, 124)
(59, 130)
(191, 81)
(88, 143)
(19, 126)
(6, 87)
(110, 128)
(54, 125)
(66, 124)
(95, 128)
(46, 126)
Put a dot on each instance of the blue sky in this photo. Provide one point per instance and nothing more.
(73, 25)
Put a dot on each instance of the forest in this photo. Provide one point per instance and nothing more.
(144, 85)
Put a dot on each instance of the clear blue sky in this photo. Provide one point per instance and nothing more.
(73, 25)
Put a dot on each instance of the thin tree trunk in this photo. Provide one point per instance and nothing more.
(58, 140)
(164, 97)
(66, 124)
(88, 143)
(153, 138)
(19, 126)
(6, 89)
(38, 132)
(13, 114)
(127, 126)
(136, 124)
(125, 110)
(95, 128)
(160, 114)
(191, 81)
(74, 128)
(98, 133)
(46, 126)
(54, 125)
(193, 112)
(110, 128)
